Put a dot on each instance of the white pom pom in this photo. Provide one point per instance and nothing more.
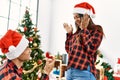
(92, 15)
(11, 48)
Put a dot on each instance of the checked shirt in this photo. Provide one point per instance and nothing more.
(81, 48)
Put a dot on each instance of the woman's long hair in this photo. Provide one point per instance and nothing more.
(91, 25)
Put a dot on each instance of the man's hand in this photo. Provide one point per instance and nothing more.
(68, 28)
(84, 21)
(49, 65)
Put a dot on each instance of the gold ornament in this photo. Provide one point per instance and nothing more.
(35, 44)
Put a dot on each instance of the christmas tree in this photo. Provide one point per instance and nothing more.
(2, 58)
(36, 63)
(108, 71)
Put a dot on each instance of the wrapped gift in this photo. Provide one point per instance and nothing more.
(100, 72)
(117, 69)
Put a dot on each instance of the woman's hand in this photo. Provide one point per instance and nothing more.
(84, 21)
(68, 28)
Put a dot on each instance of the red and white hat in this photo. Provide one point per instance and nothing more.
(13, 44)
(83, 8)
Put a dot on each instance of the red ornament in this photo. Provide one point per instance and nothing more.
(39, 61)
(25, 28)
(48, 56)
(30, 39)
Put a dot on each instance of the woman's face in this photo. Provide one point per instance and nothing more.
(77, 19)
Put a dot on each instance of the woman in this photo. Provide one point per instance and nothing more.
(82, 45)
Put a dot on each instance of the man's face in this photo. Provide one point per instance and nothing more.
(25, 55)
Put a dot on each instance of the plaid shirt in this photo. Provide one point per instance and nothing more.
(11, 72)
(81, 48)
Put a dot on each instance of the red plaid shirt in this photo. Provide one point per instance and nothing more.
(81, 48)
(44, 77)
(11, 72)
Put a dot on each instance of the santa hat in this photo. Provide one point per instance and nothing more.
(83, 8)
(13, 44)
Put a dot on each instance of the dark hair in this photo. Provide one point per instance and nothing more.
(92, 26)
(80, 15)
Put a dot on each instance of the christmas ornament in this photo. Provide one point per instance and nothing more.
(30, 39)
(35, 44)
(25, 29)
(39, 62)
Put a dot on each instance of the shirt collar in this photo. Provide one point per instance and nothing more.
(12, 65)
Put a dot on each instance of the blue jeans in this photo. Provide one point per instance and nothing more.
(76, 74)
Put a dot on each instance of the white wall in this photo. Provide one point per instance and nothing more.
(59, 11)
(44, 23)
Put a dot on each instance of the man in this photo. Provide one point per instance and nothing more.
(15, 47)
